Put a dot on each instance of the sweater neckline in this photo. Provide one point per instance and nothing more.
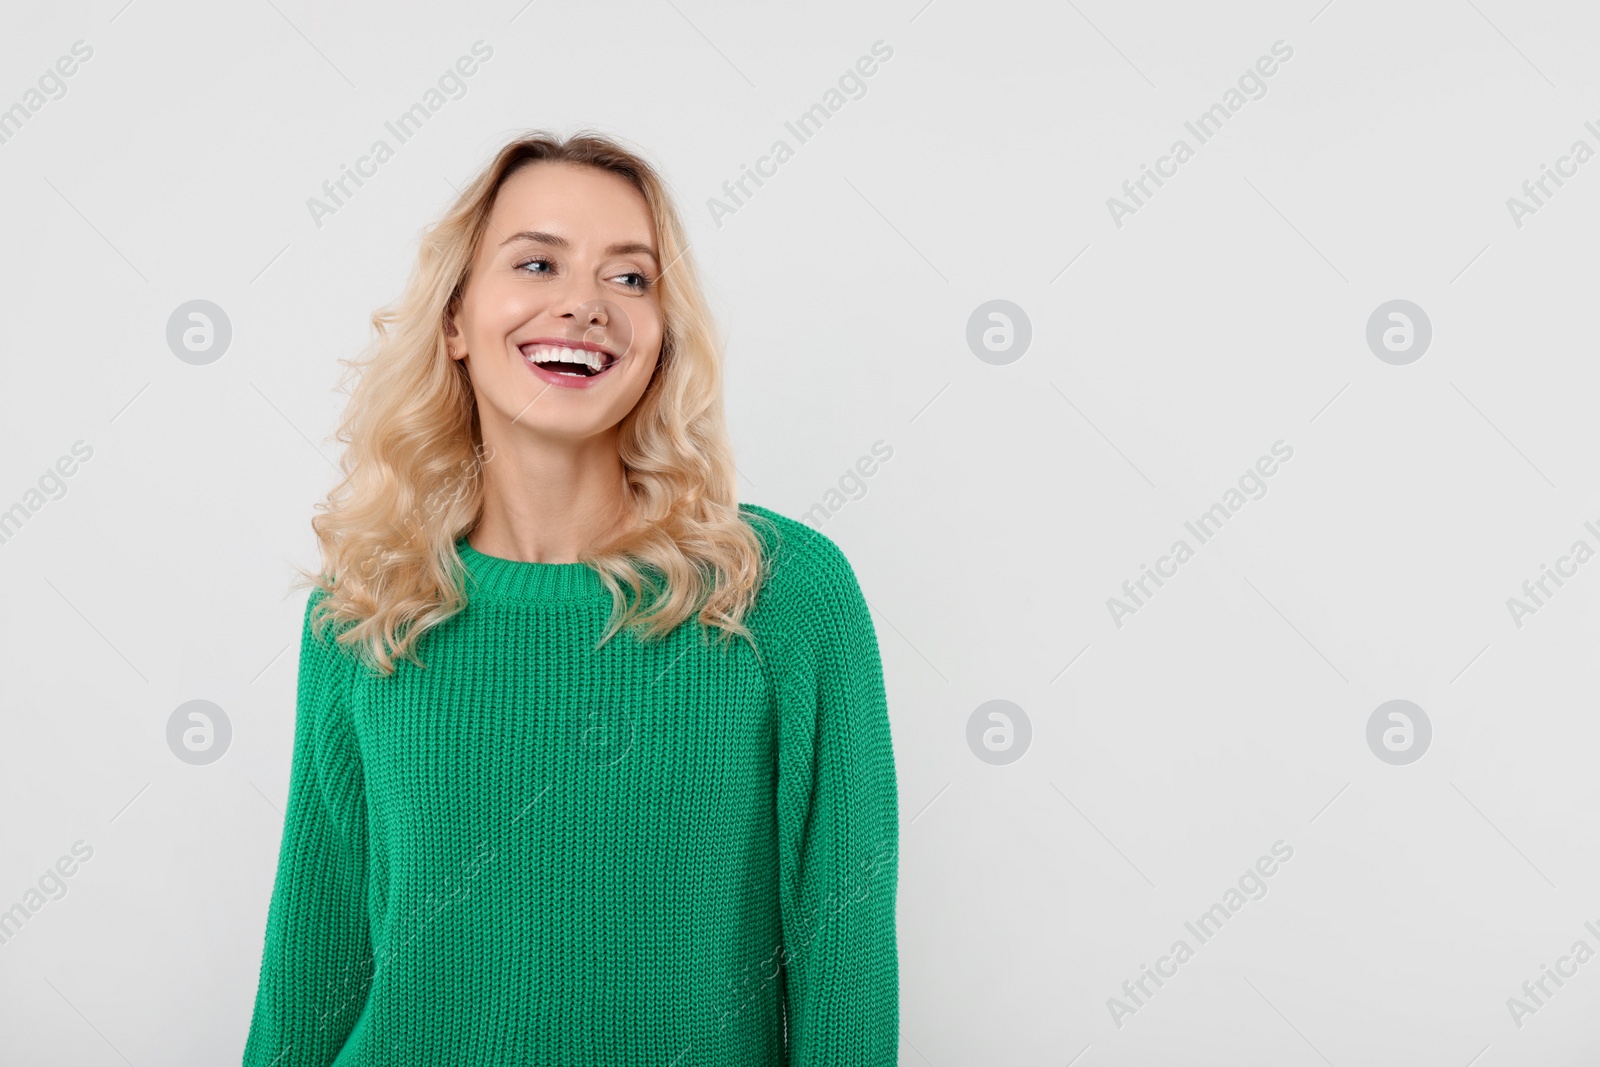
(515, 579)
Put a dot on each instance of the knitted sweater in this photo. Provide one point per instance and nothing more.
(671, 853)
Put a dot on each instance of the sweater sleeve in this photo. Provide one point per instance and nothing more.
(316, 962)
(838, 828)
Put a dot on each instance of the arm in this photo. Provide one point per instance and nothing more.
(838, 828)
(316, 963)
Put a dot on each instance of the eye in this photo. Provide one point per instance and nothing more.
(640, 283)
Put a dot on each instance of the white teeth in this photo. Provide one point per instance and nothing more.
(562, 354)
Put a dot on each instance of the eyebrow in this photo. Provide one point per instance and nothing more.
(619, 249)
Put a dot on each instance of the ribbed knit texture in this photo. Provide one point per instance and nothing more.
(670, 853)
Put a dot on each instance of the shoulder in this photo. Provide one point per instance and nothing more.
(321, 651)
(794, 547)
(808, 574)
(318, 624)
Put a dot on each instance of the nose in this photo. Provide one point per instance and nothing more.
(581, 298)
(589, 313)
(578, 295)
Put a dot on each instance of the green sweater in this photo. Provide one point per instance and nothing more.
(672, 853)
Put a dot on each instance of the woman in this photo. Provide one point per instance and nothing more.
(537, 814)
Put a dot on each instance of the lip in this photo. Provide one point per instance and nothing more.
(568, 381)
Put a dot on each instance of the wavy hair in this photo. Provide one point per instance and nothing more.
(412, 469)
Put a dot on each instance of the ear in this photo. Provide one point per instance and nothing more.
(454, 343)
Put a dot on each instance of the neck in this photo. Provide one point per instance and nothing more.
(552, 504)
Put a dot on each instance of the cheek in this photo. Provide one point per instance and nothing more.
(654, 328)
(643, 375)
(501, 306)
(645, 369)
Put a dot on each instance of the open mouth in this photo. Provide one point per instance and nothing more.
(572, 362)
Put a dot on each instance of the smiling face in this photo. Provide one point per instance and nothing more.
(565, 281)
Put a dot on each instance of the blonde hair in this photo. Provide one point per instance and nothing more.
(413, 480)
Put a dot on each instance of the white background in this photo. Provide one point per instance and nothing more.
(1227, 314)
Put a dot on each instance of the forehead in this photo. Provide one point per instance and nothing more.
(584, 204)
